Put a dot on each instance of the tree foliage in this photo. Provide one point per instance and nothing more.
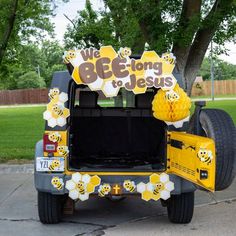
(222, 70)
(30, 80)
(24, 24)
(184, 27)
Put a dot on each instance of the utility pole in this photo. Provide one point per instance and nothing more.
(212, 73)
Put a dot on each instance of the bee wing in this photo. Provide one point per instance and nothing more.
(210, 154)
(61, 181)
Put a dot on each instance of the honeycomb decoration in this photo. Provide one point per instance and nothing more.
(56, 112)
(80, 186)
(172, 106)
(159, 186)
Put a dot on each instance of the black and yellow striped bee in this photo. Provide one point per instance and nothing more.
(63, 150)
(81, 187)
(58, 109)
(68, 55)
(158, 187)
(57, 183)
(54, 137)
(129, 185)
(205, 155)
(53, 93)
(172, 96)
(124, 52)
(169, 57)
(104, 190)
(55, 164)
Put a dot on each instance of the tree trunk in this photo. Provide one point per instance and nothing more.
(8, 29)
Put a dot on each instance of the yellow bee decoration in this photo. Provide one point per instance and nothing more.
(129, 185)
(124, 52)
(68, 55)
(158, 187)
(104, 190)
(55, 164)
(81, 187)
(63, 150)
(57, 183)
(54, 137)
(53, 93)
(172, 96)
(58, 109)
(169, 57)
(205, 155)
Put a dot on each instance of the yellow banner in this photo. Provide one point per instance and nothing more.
(107, 70)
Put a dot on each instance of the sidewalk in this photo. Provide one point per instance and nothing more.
(214, 213)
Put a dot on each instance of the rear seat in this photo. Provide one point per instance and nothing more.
(106, 132)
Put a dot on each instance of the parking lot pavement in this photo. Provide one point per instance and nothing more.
(98, 216)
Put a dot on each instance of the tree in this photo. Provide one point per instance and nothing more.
(22, 19)
(222, 70)
(46, 58)
(30, 80)
(184, 27)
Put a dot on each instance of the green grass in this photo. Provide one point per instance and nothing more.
(22, 127)
(216, 96)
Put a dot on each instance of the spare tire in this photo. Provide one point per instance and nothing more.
(218, 125)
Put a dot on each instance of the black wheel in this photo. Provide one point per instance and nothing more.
(49, 207)
(180, 208)
(218, 125)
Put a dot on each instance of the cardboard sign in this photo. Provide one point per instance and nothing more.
(107, 70)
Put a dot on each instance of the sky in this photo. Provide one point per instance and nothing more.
(70, 9)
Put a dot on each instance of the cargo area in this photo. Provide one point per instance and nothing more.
(110, 138)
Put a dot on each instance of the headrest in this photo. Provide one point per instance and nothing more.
(144, 100)
(88, 99)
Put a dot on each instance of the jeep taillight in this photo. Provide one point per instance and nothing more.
(49, 146)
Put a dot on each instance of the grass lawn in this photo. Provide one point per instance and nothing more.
(22, 127)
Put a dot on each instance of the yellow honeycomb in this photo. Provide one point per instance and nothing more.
(154, 178)
(171, 111)
(90, 188)
(147, 195)
(95, 180)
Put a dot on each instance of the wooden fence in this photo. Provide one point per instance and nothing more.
(37, 96)
(23, 96)
(221, 87)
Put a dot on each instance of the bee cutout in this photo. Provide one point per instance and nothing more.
(172, 96)
(58, 109)
(157, 189)
(124, 52)
(68, 55)
(169, 58)
(104, 190)
(57, 183)
(129, 185)
(55, 137)
(55, 164)
(205, 155)
(53, 93)
(63, 150)
(81, 187)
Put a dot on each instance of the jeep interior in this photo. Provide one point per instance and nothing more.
(114, 138)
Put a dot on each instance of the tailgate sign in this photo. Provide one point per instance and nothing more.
(193, 158)
(49, 164)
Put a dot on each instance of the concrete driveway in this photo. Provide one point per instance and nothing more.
(214, 213)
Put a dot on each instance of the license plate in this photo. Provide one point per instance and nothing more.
(49, 164)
